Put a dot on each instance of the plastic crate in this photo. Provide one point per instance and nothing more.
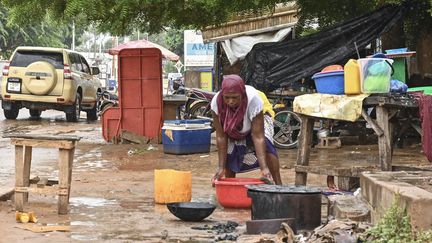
(186, 136)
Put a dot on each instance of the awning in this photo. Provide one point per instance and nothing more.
(167, 54)
(284, 16)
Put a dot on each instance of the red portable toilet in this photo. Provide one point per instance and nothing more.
(140, 109)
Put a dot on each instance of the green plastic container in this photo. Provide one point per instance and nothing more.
(427, 90)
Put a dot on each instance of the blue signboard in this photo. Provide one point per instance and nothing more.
(200, 49)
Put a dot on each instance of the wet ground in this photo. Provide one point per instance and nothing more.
(112, 185)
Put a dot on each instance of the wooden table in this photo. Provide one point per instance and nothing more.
(386, 107)
(171, 105)
(24, 144)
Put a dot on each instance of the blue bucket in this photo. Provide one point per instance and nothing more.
(329, 82)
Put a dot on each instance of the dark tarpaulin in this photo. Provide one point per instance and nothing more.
(269, 66)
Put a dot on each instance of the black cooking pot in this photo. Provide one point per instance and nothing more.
(299, 202)
(191, 211)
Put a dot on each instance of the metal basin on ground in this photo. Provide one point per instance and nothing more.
(191, 211)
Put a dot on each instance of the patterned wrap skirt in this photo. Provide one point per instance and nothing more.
(241, 155)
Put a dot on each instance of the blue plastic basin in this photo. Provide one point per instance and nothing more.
(330, 82)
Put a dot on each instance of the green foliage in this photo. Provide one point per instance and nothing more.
(418, 20)
(45, 32)
(169, 67)
(395, 226)
(175, 40)
(327, 13)
(121, 17)
(171, 38)
(13, 35)
(322, 14)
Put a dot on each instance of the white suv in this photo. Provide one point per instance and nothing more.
(41, 78)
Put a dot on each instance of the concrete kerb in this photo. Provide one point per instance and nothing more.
(379, 190)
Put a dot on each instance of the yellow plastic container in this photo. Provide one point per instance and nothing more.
(172, 186)
(352, 77)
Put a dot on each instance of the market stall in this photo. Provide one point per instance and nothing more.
(386, 106)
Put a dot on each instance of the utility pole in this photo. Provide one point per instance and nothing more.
(101, 39)
(73, 35)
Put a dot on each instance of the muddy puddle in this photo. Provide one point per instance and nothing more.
(90, 202)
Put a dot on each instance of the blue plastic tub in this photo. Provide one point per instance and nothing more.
(329, 82)
(186, 136)
(396, 51)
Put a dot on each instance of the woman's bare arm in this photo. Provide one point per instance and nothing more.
(222, 145)
(258, 139)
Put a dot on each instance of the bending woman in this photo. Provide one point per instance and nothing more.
(244, 131)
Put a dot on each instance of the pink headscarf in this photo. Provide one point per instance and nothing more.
(232, 118)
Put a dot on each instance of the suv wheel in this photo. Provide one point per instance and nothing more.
(92, 114)
(35, 114)
(75, 114)
(11, 114)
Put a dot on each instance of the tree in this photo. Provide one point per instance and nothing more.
(171, 38)
(66, 29)
(414, 31)
(123, 17)
(175, 40)
(45, 33)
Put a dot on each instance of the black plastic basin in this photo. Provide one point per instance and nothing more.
(191, 211)
(288, 201)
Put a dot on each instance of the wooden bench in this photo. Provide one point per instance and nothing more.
(24, 144)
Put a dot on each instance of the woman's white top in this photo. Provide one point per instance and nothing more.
(254, 107)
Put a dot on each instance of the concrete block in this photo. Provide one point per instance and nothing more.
(379, 190)
(348, 207)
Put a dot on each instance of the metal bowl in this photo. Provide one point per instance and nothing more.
(191, 211)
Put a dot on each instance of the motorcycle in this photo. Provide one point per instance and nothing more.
(178, 87)
(106, 100)
(198, 104)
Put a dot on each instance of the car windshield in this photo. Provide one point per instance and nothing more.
(25, 58)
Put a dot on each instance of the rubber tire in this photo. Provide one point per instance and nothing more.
(180, 112)
(74, 116)
(11, 114)
(105, 106)
(35, 114)
(284, 145)
(195, 111)
(92, 114)
(33, 85)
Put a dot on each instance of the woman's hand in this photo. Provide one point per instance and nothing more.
(219, 174)
(266, 176)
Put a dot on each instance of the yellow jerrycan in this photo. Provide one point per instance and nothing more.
(352, 77)
(172, 186)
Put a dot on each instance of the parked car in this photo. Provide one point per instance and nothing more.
(41, 78)
(2, 64)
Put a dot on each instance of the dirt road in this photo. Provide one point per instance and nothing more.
(112, 186)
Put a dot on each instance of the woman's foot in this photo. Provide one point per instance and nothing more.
(330, 183)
